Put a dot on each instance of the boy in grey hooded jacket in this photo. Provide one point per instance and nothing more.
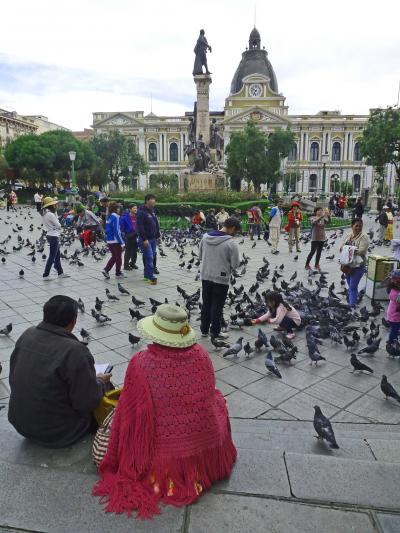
(219, 255)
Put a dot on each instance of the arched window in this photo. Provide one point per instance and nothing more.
(356, 183)
(292, 156)
(336, 149)
(312, 185)
(152, 152)
(357, 152)
(173, 152)
(314, 151)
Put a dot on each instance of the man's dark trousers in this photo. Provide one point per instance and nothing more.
(213, 296)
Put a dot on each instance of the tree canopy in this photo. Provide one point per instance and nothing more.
(256, 157)
(380, 144)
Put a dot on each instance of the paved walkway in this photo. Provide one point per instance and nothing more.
(284, 479)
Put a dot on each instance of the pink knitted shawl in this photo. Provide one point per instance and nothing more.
(171, 425)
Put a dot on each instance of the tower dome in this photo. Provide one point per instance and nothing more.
(254, 61)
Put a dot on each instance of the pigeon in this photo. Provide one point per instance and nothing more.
(100, 317)
(248, 349)
(358, 365)
(133, 339)
(219, 344)
(324, 428)
(122, 289)
(81, 306)
(271, 366)
(85, 335)
(315, 356)
(388, 390)
(371, 349)
(234, 349)
(111, 296)
(21, 273)
(137, 302)
(6, 330)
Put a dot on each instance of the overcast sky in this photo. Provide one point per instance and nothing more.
(66, 59)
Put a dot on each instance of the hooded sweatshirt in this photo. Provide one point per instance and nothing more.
(219, 255)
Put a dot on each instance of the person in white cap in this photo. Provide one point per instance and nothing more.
(53, 228)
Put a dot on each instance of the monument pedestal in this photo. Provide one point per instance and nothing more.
(202, 181)
(374, 204)
(203, 82)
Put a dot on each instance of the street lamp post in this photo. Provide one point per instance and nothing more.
(130, 168)
(324, 159)
(72, 156)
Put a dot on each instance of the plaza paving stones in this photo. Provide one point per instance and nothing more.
(271, 419)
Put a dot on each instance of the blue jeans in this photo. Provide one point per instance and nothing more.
(288, 324)
(149, 252)
(394, 331)
(353, 279)
(54, 256)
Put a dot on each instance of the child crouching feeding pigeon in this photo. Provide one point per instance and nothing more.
(281, 314)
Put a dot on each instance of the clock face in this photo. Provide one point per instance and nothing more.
(255, 89)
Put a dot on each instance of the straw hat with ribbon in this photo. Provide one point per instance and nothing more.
(169, 326)
(46, 202)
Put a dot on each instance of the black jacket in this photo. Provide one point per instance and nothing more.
(382, 219)
(147, 224)
(359, 209)
(53, 386)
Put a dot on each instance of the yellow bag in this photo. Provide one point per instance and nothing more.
(107, 403)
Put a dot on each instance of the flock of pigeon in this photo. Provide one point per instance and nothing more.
(326, 317)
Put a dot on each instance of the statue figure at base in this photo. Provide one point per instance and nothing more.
(201, 54)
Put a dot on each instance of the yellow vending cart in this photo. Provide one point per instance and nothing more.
(379, 268)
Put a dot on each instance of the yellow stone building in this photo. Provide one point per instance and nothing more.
(327, 143)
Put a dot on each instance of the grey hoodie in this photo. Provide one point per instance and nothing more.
(219, 255)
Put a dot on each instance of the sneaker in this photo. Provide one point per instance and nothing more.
(222, 336)
(290, 336)
(298, 250)
(156, 271)
(134, 267)
(63, 276)
(307, 267)
(204, 334)
(47, 278)
(127, 268)
(152, 281)
(120, 275)
(105, 274)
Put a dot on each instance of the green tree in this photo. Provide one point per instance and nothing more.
(381, 140)
(3, 168)
(116, 152)
(256, 158)
(164, 181)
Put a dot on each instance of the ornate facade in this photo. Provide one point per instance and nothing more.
(327, 144)
(12, 126)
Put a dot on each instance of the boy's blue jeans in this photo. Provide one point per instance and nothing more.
(149, 252)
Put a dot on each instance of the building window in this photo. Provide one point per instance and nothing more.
(173, 152)
(357, 152)
(152, 152)
(335, 183)
(312, 185)
(336, 149)
(356, 182)
(292, 156)
(314, 151)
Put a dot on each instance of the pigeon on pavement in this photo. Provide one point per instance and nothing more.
(324, 428)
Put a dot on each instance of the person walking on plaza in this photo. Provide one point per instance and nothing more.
(358, 209)
(389, 230)
(360, 240)
(295, 218)
(221, 217)
(393, 310)
(257, 219)
(211, 221)
(102, 210)
(148, 230)
(318, 236)
(382, 219)
(341, 205)
(114, 240)
(275, 223)
(53, 228)
(129, 232)
(37, 198)
(53, 382)
(219, 255)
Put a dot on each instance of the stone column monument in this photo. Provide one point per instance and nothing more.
(203, 82)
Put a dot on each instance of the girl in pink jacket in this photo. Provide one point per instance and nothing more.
(284, 316)
(393, 310)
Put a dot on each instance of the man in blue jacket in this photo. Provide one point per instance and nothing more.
(128, 229)
(148, 230)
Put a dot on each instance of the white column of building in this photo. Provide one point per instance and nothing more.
(142, 151)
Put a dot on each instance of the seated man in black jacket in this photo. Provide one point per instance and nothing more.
(54, 387)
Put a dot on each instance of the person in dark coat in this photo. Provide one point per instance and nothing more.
(54, 387)
(148, 230)
(211, 222)
(358, 209)
(127, 225)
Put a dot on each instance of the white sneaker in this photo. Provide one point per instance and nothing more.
(105, 274)
(47, 278)
(204, 334)
(63, 275)
(222, 336)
